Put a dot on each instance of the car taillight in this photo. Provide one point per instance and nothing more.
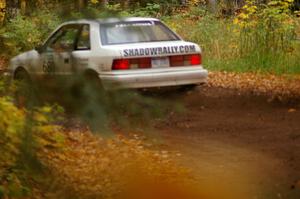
(185, 60)
(195, 59)
(144, 63)
(120, 64)
(124, 64)
(177, 60)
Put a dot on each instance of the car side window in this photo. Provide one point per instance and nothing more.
(84, 42)
(64, 39)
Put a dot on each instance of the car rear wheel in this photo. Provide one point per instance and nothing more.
(87, 86)
(90, 100)
(187, 88)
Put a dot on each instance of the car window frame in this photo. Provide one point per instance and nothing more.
(48, 41)
(78, 36)
(103, 36)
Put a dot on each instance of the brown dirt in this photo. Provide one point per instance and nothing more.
(279, 87)
(240, 142)
(240, 135)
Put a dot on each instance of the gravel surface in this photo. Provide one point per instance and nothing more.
(237, 141)
(283, 87)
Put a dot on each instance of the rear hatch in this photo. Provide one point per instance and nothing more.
(147, 45)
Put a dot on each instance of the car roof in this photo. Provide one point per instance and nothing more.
(126, 19)
(111, 20)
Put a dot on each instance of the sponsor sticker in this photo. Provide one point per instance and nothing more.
(159, 50)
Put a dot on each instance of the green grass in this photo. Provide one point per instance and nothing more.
(226, 48)
(276, 63)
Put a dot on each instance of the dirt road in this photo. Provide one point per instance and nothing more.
(237, 144)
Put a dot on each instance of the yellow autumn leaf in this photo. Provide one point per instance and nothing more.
(94, 1)
(40, 117)
(291, 110)
(236, 21)
(243, 16)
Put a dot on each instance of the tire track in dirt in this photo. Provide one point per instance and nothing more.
(237, 141)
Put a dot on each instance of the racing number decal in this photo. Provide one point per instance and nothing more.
(48, 66)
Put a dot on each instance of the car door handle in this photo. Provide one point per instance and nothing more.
(66, 60)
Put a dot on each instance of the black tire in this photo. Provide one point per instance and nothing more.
(187, 88)
(87, 86)
(91, 101)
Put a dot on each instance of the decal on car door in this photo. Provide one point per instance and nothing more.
(49, 66)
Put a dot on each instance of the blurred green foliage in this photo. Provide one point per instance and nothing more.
(260, 38)
(11, 122)
(22, 133)
(25, 32)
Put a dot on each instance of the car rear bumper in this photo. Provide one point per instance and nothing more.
(144, 78)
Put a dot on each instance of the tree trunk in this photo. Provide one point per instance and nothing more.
(125, 4)
(213, 5)
(12, 9)
(2, 11)
(23, 6)
(81, 4)
(104, 2)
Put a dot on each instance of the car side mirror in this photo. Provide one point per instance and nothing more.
(39, 48)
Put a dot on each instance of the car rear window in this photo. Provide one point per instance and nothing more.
(134, 32)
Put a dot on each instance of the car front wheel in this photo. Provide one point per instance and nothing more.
(24, 92)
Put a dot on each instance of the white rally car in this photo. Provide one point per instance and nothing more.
(120, 53)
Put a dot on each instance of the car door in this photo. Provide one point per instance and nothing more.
(80, 55)
(58, 52)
